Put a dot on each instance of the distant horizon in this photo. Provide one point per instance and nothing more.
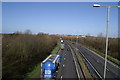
(68, 18)
(60, 34)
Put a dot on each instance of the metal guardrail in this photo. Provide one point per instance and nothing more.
(81, 69)
(91, 68)
(78, 65)
(75, 63)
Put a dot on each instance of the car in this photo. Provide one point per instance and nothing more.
(68, 49)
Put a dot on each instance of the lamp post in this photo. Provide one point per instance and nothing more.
(108, 20)
(76, 41)
(71, 38)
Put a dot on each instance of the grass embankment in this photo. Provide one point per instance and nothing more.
(86, 72)
(36, 72)
(56, 49)
(84, 67)
(103, 55)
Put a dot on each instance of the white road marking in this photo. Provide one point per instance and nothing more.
(103, 58)
(97, 61)
(108, 61)
(77, 49)
(75, 62)
(107, 69)
(92, 66)
(63, 65)
(64, 58)
(65, 54)
(61, 77)
(59, 51)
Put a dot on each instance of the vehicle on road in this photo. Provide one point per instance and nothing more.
(62, 46)
(62, 41)
(50, 66)
(68, 49)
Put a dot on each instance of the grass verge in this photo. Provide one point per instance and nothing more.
(56, 49)
(84, 67)
(36, 72)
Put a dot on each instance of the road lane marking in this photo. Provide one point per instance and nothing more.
(108, 61)
(64, 58)
(61, 77)
(75, 63)
(59, 51)
(63, 65)
(107, 69)
(92, 66)
(97, 61)
(77, 49)
(102, 58)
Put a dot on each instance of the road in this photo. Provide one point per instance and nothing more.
(113, 72)
(67, 67)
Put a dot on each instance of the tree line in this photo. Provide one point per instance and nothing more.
(99, 44)
(22, 51)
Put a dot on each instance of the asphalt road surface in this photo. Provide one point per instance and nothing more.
(67, 67)
(112, 72)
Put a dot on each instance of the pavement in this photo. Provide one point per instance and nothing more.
(112, 72)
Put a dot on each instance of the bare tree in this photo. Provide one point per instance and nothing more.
(28, 31)
(87, 34)
(100, 34)
(17, 32)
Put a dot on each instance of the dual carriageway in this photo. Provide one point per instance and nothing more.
(70, 68)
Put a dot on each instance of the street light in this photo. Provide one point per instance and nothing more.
(108, 20)
(76, 41)
(96, 5)
(71, 38)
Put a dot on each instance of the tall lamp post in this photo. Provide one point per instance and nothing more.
(108, 20)
(76, 41)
